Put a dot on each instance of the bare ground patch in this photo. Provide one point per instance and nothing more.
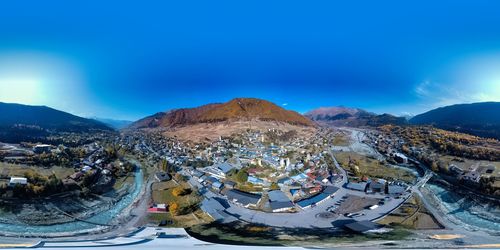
(212, 131)
(355, 204)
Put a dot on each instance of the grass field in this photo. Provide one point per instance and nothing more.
(249, 188)
(412, 215)
(162, 193)
(373, 168)
(341, 140)
(120, 182)
(7, 170)
(188, 220)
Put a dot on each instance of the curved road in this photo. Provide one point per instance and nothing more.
(308, 218)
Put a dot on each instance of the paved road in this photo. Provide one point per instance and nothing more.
(309, 218)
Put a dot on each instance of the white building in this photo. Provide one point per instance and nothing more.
(42, 148)
(17, 180)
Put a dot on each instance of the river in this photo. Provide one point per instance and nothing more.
(466, 211)
(105, 217)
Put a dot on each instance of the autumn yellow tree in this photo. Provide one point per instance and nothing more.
(173, 208)
(179, 191)
(274, 186)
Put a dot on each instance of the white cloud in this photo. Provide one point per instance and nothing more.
(284, 104)
(474, 78)
(422, 89)
(436, 94)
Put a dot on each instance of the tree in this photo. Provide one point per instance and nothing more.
(355, 170)
(54, 184)
(111, 151)
(242, 176)
(405, 149)
(274, 186)
(173, 208)
(232, 172)
(180, 191)
(294, 172)
(180, 177)
(129, 167)
(434, 166)
(88, 178)
(164, 165)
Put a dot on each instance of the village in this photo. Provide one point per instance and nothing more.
(59, 183)
(272, 177)
(479, 172)
(254, 178)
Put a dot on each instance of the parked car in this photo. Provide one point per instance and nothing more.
(357, 215)
(332, 208)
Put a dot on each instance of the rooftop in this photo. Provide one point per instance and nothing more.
(243, 197)
(330, 190)
(312, 200)
(395, 189)
(281, 205)
(360, 186)
(225, 167)
(278, 196)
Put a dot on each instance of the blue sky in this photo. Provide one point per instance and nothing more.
(128, 60)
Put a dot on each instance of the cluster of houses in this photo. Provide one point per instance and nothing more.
(305, 189)
(304, 184)
(319, 198)
(472, 176)
(94, 162)
(16, 153)
(279, 202)
(155, 147)
(300, 186)
(379, 186)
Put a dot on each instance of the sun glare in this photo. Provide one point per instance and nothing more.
(20, 90)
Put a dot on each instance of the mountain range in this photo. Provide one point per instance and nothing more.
(235, 110)
(352, 117)
(18, 121)
(480, 119)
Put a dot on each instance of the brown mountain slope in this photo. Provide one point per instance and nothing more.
(235, 110)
